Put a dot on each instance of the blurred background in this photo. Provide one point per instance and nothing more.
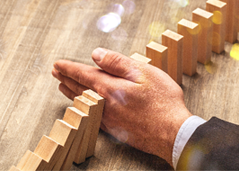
(36, 33)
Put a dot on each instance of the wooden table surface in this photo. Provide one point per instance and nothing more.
(36, 33)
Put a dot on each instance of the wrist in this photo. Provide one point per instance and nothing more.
(165, 148)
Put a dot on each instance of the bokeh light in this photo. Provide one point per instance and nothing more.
(217, 17)
(182, 3)
(119, 34)
(121, 134)
(179, 15)
(117, 9)
(195, 31)
(211, 67)
(109, 22)
(129, 6)
(216, 39)
(235, 52)
(119, 96)
(193, 158)
(156, 29)
(206, 24)
(112, 20)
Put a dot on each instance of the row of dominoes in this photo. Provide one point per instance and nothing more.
(72, 139)
(195, 40)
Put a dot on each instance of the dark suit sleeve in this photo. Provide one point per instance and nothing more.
(213, 146)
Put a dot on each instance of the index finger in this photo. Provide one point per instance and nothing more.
(89, 76)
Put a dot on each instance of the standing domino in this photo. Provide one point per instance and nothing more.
(141, 58)
(204, 20)
(190, 31)
(231, 20)
(158, 54)
(174, 42)
(219, 10)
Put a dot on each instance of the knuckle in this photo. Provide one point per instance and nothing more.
(78, 75)
(80, 89)
(77, 89)
(100, 90)
(114, 61)
(63, 71)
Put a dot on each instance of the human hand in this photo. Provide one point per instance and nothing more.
(144, 106)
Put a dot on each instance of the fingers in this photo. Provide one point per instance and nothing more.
(70, 83)
(115, 63)
(78, 74)
(101, 82)
(75, 71)
(67, 92)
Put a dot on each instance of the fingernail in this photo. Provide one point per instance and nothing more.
(98, 54)
(54, 73)
(56, 67)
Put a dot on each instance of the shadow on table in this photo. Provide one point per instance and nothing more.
(110, 154)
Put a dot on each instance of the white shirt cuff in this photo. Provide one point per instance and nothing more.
(184, 133)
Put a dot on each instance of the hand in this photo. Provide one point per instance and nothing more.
(144, 106)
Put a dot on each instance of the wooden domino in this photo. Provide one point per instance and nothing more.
(31, 161)
(89, 107)
(73, 139)
(49, 150)
(13, 168)
(158, 54)
(231, 20)
(141, 58)
(219, 10)
(79, 120)
(204, 20)
(237, 15)
(64, 134)
(174, 42)
(96, 98)
(190, 31)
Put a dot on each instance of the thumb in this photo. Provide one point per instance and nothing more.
(114, 63)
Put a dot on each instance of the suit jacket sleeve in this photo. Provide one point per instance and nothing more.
(213, 146)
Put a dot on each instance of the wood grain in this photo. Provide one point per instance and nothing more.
(36, 33)
(90, 108)
(49, 150)
(190, 31)
(79, 120)
(231, 20)
(204, 20)
(174, 42)
(219, 10)
(31, 161)
(158, 54)
(141, 58)
(13, 168)
(64, 134)
(100, 101)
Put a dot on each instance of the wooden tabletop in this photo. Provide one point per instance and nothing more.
(36, 33)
